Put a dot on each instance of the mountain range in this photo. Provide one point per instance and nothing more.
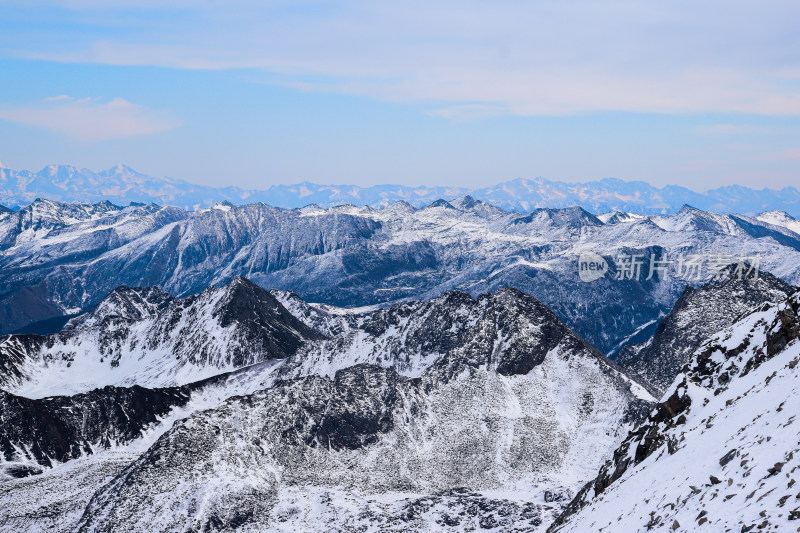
(451, 414)
(122, 185)
(59, 259)
(448, 365)
(238, 409)
(401, 434)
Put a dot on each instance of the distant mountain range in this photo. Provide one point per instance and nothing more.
(122, 185)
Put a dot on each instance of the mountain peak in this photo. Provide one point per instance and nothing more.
(225, 205)
(249, 305)
(147, 337)
(440, 203)
(466, 202)
(117, 170)
(126, 303)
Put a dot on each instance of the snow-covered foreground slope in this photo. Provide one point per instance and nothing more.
(59, 259)
(721, 451)
(503, 412)
(148, 338)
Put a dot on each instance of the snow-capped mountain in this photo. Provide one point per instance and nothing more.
(359, 256)
(146, 337)
(721, 449)
(781, 218)
(615, 217)
(508, 330)
(118, 184)
(443, 415)
(697, 315)
(121, 184)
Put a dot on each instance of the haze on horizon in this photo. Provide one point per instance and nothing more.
(454, 94)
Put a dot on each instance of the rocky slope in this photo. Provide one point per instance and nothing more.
(37, 434)
(149, 338)
(509, 330)
(439, 415)
(697, 315)
(367, 432)
(349, 256)
(721, 449)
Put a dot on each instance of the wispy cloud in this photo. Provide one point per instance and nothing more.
(469, 111)
(531, 58)
(89, 119)
(59, 98)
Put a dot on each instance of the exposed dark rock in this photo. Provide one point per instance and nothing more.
(697, 314)
(61, 428)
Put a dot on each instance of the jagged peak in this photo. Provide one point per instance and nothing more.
(573, 216)
(440, 203)
(400, 207)
(686, 208)
(776, 212)
(242, 283)
(466, 202)
(126, 303)
(52, 170)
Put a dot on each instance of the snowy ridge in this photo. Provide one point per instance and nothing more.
(781, 218)
(145, 337)
(617, 217)
(722, 447)
(507, 331)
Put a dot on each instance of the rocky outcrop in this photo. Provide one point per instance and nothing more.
(698, 314)
(719, 437)
(35, 434)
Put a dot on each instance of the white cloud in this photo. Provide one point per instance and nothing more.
(90, 120)
(547, 57)
(59, 98)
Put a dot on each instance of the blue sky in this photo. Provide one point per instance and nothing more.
(700, 94)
